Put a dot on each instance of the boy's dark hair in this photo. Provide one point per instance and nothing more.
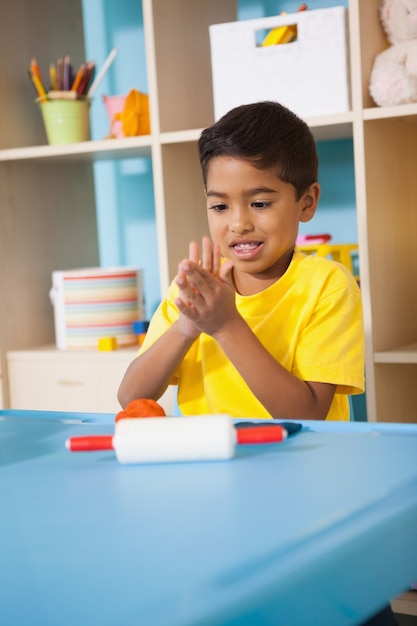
(269, 136)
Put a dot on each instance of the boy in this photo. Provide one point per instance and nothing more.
(255, 328)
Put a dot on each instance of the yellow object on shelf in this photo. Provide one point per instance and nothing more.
(342, 253)
(135, 117)
(106, 344)
(281, 34)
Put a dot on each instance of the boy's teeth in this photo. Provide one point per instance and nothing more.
(245, 245)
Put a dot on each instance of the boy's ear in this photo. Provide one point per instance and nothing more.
(310, 202)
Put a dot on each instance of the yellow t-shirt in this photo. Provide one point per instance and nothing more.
(310, 320)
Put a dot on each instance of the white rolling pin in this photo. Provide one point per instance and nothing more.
(165, 440)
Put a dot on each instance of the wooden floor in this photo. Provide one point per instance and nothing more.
(405, 608)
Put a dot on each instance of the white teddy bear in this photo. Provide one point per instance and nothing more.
(394, 73)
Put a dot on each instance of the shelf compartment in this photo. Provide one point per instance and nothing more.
(396, 392)
(183, 72)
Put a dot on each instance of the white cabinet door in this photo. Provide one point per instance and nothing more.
(52, 380)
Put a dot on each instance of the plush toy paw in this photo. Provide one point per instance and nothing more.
(393, 77)
(392, 84)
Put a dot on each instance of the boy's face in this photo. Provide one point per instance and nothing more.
(254, 218)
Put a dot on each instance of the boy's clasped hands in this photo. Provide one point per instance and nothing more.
(206, 299)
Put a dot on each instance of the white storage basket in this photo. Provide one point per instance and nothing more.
(309, 75)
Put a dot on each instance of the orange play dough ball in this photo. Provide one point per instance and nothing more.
(143, 407)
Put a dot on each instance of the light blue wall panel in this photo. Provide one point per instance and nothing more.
(124, 189)
(336, 214)
(252, 9)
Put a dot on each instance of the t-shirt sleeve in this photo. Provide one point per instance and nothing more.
(331, 346)
(163, 318)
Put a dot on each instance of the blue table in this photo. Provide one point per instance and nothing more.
(321, 529)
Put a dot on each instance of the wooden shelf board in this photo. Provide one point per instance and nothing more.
(403, 354)
(408, 111)
(324, 128)
(330, 127)
(180, 136)
(104, 149)
(51, 352)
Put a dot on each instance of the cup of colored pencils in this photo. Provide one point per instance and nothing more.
(65, 105)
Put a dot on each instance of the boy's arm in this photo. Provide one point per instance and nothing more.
(150, 373)
(281, 393)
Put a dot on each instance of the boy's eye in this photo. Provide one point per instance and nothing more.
(261, 205)
(218, 207)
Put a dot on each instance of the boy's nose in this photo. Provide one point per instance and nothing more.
(240, 222)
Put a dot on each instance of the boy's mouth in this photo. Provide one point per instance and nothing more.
(246, 250)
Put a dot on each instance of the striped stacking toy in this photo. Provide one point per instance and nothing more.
(92, 303)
